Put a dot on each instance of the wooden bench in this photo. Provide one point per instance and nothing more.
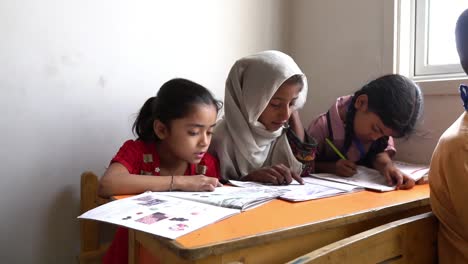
(409, 240)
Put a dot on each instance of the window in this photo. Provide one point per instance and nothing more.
(434, 52)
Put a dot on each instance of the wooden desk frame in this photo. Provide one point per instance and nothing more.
(279, 245)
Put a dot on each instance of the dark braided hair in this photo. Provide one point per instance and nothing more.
(396, 100)
(175, 99)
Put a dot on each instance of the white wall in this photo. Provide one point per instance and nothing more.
(72, 76)
(341, 45)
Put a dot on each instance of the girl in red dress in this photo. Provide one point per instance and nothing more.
(173, 131)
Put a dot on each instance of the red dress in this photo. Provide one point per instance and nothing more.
(141, 158)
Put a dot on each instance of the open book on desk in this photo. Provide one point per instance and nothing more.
(364, 177)
(160, 215)
(313, 188)
(415, 171)
(231, 197)
(373, 179)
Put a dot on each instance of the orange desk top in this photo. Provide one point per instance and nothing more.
(279, 215)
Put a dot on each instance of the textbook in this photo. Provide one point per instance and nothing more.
(232, 197)
(313, 188)
(373, 179)
(160, 215)
(173, 214)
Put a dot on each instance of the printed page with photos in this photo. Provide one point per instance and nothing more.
(231, 197)
(160, 215)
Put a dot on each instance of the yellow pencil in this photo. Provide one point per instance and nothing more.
(335, 149)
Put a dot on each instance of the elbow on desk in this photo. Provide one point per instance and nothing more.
(105, 188)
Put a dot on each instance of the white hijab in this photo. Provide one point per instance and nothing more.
(241, 143)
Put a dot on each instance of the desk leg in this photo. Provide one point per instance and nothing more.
(133, 248)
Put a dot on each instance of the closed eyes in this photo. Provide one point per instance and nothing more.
(195, 133)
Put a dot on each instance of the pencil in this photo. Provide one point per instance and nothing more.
(335, 149)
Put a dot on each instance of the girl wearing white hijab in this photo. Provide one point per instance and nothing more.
(263, 92)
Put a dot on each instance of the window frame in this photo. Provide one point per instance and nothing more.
(401, 22)
(420, 52)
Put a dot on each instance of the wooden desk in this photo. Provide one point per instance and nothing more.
(280, 231)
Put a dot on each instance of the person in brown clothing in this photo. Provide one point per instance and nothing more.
(448, 175)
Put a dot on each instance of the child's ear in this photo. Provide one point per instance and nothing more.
(160, 129)
(361, 102)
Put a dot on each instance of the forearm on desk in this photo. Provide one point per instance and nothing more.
(117, 180)
(133, 184)
(381, 161)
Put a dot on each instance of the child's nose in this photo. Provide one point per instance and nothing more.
(205, 139)
(285, 113)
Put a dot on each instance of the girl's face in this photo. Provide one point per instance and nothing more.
(188, 138)
(368, 126)
(280, 107)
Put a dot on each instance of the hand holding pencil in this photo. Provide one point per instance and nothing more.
(343, 167)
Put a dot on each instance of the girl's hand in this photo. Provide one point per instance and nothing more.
(196, 183)
(278, 175)
(395, 176)
(345, 168)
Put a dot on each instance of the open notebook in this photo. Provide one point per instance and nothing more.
(415, 171)
(372, 179)
(313, 188)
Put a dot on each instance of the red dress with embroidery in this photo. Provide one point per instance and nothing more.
(141, 158)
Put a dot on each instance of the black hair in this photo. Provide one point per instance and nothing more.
(174, 100)
(396, 100)
(461, 37)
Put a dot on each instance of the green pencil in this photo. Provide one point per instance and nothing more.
(335, 149)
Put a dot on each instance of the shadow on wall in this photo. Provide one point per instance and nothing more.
(60, 239)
